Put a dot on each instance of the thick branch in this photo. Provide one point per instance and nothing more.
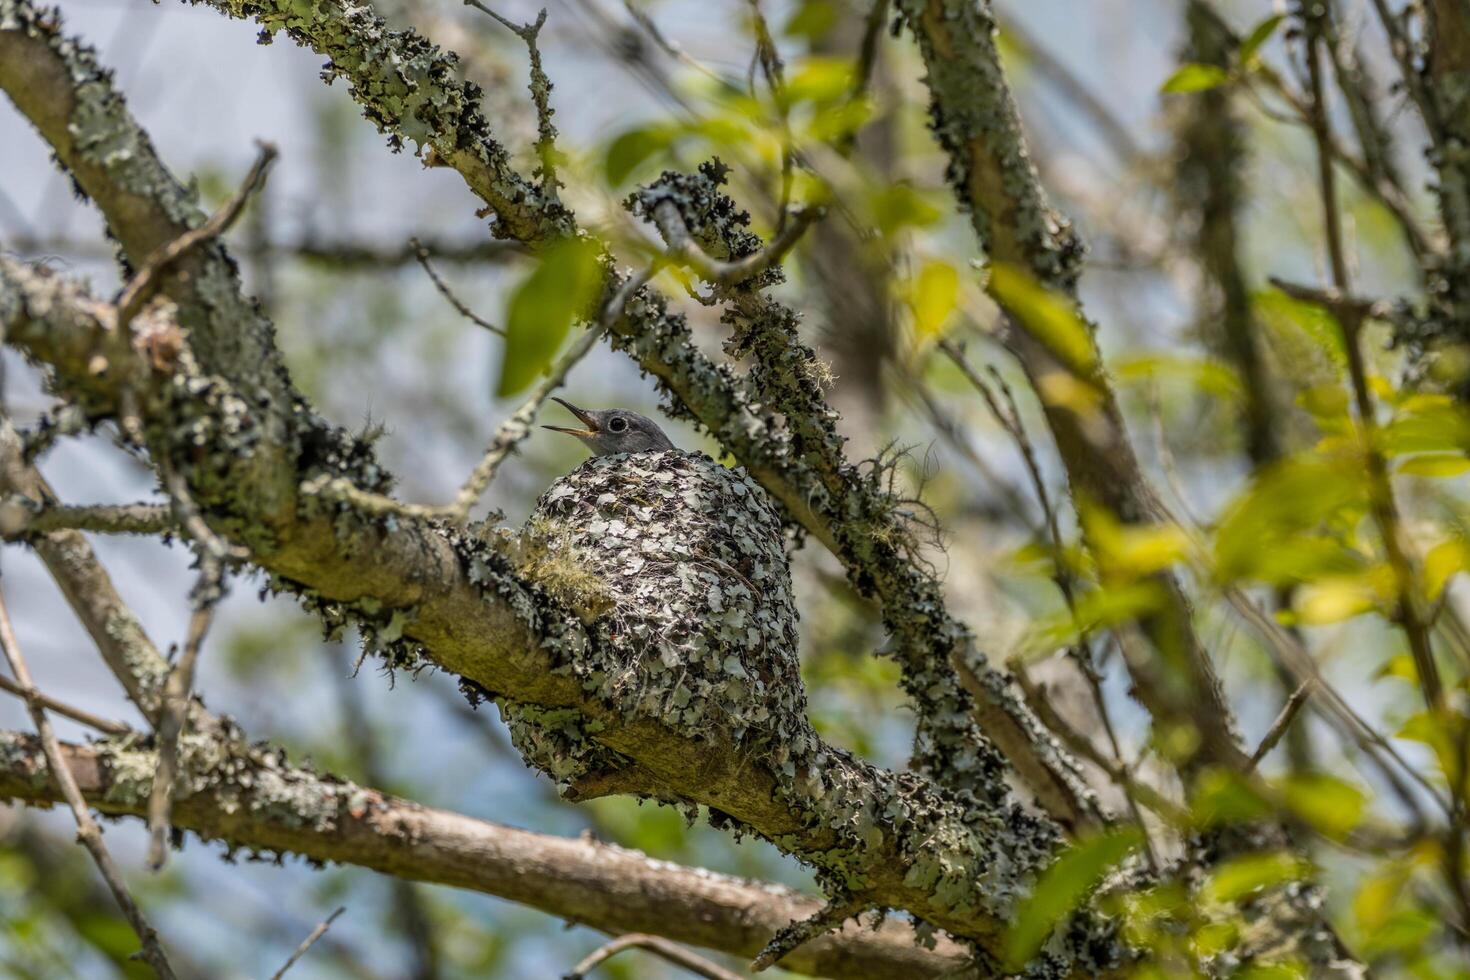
(976, 121)
(275, 807)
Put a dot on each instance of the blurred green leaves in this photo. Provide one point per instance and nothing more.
(632, 148)
(566, 280)
(1243, 876)
(1293, 522)
(932, 297)
(1250, 48)
(1063, 887)
(1314, 322)
(1047, 316)
(1194, 77)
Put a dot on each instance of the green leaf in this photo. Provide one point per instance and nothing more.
(1426, 424)
(1198, 373)
(1063, 886)
(1436, 465)
(1424, 727)
(1195, 77)
(1239, 877)
(897, 206)
(933, 295)
(542, 308)
(811, 19)
(1050, 318)
(1442, 563)
(1379, 892)
(1332, 599)
(1222, 797)
(1330, 805)
(1314, 321)
(1286, 515)
(1258, 36)
(633, 148)
(820, 80)
(1407, 931)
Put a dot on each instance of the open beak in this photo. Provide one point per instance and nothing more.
(582, 417)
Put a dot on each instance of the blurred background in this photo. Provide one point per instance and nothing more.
(325, 248)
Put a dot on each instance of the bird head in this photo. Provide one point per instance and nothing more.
(614, 430)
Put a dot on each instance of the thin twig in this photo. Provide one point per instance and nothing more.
(657, 945)
(1282, 723)
(511, 432)
(145, 282)
(668, 46)
(19, 517)
(1009, 418)
(867, 61)
(540, 94)
(1302, 666)
(831, 916)
(87, 830)
(65, 710)
(774, 72)
(1117, 768)
(1386, 194)
(684, 248)
(178, 689)
(422, 255)
(306, 944)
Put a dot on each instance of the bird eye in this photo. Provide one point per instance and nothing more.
(617, 424)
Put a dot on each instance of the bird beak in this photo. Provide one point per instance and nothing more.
(583, 417)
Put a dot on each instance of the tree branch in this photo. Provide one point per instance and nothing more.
(270, 806)
(20, 518)
(697, 965)
(145, 282)
(60, 774)
(683, 247)
(308, 942)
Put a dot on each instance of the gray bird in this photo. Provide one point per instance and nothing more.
(614, 430)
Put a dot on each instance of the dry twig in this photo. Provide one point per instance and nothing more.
(675, 954)
(87, 830)
(306, 944)
(145, 282)
(422, 255)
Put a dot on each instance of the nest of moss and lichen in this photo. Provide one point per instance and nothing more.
(677, 568)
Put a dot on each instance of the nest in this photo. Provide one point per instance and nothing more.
(677, 567)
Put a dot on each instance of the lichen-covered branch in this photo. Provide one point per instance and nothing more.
(975, 120)
(417, 589)
(770, 420)
(267, 805)
(23, 518)
(1435, 72)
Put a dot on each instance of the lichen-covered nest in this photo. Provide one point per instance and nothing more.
(676, 564)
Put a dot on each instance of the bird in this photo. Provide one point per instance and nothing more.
(610, 431)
